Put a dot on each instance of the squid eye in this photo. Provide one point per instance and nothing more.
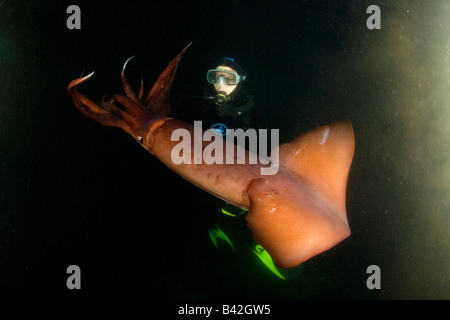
(140, 139)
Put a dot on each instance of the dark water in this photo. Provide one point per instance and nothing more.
(74, 192)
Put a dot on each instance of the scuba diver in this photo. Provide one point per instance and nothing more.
(226, 105)
(225, 102)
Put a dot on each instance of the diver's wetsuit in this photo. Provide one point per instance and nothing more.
(236, 114)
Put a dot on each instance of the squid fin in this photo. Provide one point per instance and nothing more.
(305, 216)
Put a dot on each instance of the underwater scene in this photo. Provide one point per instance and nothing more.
(346, 104)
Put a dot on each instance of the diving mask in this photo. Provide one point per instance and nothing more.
(230, 77)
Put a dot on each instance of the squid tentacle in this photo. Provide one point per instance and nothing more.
(130, 112)
(125, 112)
(127, 87)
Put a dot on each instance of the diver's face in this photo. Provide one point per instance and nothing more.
(222, 85)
